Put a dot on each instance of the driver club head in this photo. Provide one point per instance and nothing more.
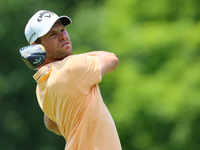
(33, 55)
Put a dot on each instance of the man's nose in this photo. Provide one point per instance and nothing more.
(62, 36)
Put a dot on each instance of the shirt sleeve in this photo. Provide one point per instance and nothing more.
(85, 71)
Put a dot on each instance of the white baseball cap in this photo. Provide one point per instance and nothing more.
(40, 24)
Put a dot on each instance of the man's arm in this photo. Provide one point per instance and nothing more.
(52, 126)
(108, 61)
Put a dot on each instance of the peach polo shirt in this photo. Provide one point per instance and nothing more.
(68, 93)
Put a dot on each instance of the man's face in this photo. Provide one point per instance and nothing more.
(57, 42)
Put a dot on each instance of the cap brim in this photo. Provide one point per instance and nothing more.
(65, 20)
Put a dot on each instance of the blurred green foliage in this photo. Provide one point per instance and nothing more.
(153, 95)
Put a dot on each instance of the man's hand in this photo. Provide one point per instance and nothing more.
(108, 61)
(52, 126)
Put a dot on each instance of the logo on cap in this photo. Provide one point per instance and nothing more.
(44, 14)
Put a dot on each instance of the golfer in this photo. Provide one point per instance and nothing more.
(67, 86)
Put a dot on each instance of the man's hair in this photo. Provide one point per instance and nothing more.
(38, 41)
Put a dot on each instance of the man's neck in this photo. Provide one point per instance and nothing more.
(47, 61)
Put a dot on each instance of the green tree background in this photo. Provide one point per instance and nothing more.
(154, 93)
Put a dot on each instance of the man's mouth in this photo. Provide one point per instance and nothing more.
(65, 43)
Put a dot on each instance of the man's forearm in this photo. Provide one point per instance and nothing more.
(108, 61)
(96, 53)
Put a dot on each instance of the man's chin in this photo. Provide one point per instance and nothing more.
(69, 52)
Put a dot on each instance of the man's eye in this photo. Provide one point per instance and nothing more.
(52, 34)
(62, 30)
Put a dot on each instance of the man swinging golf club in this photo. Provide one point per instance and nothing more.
(67, 85)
